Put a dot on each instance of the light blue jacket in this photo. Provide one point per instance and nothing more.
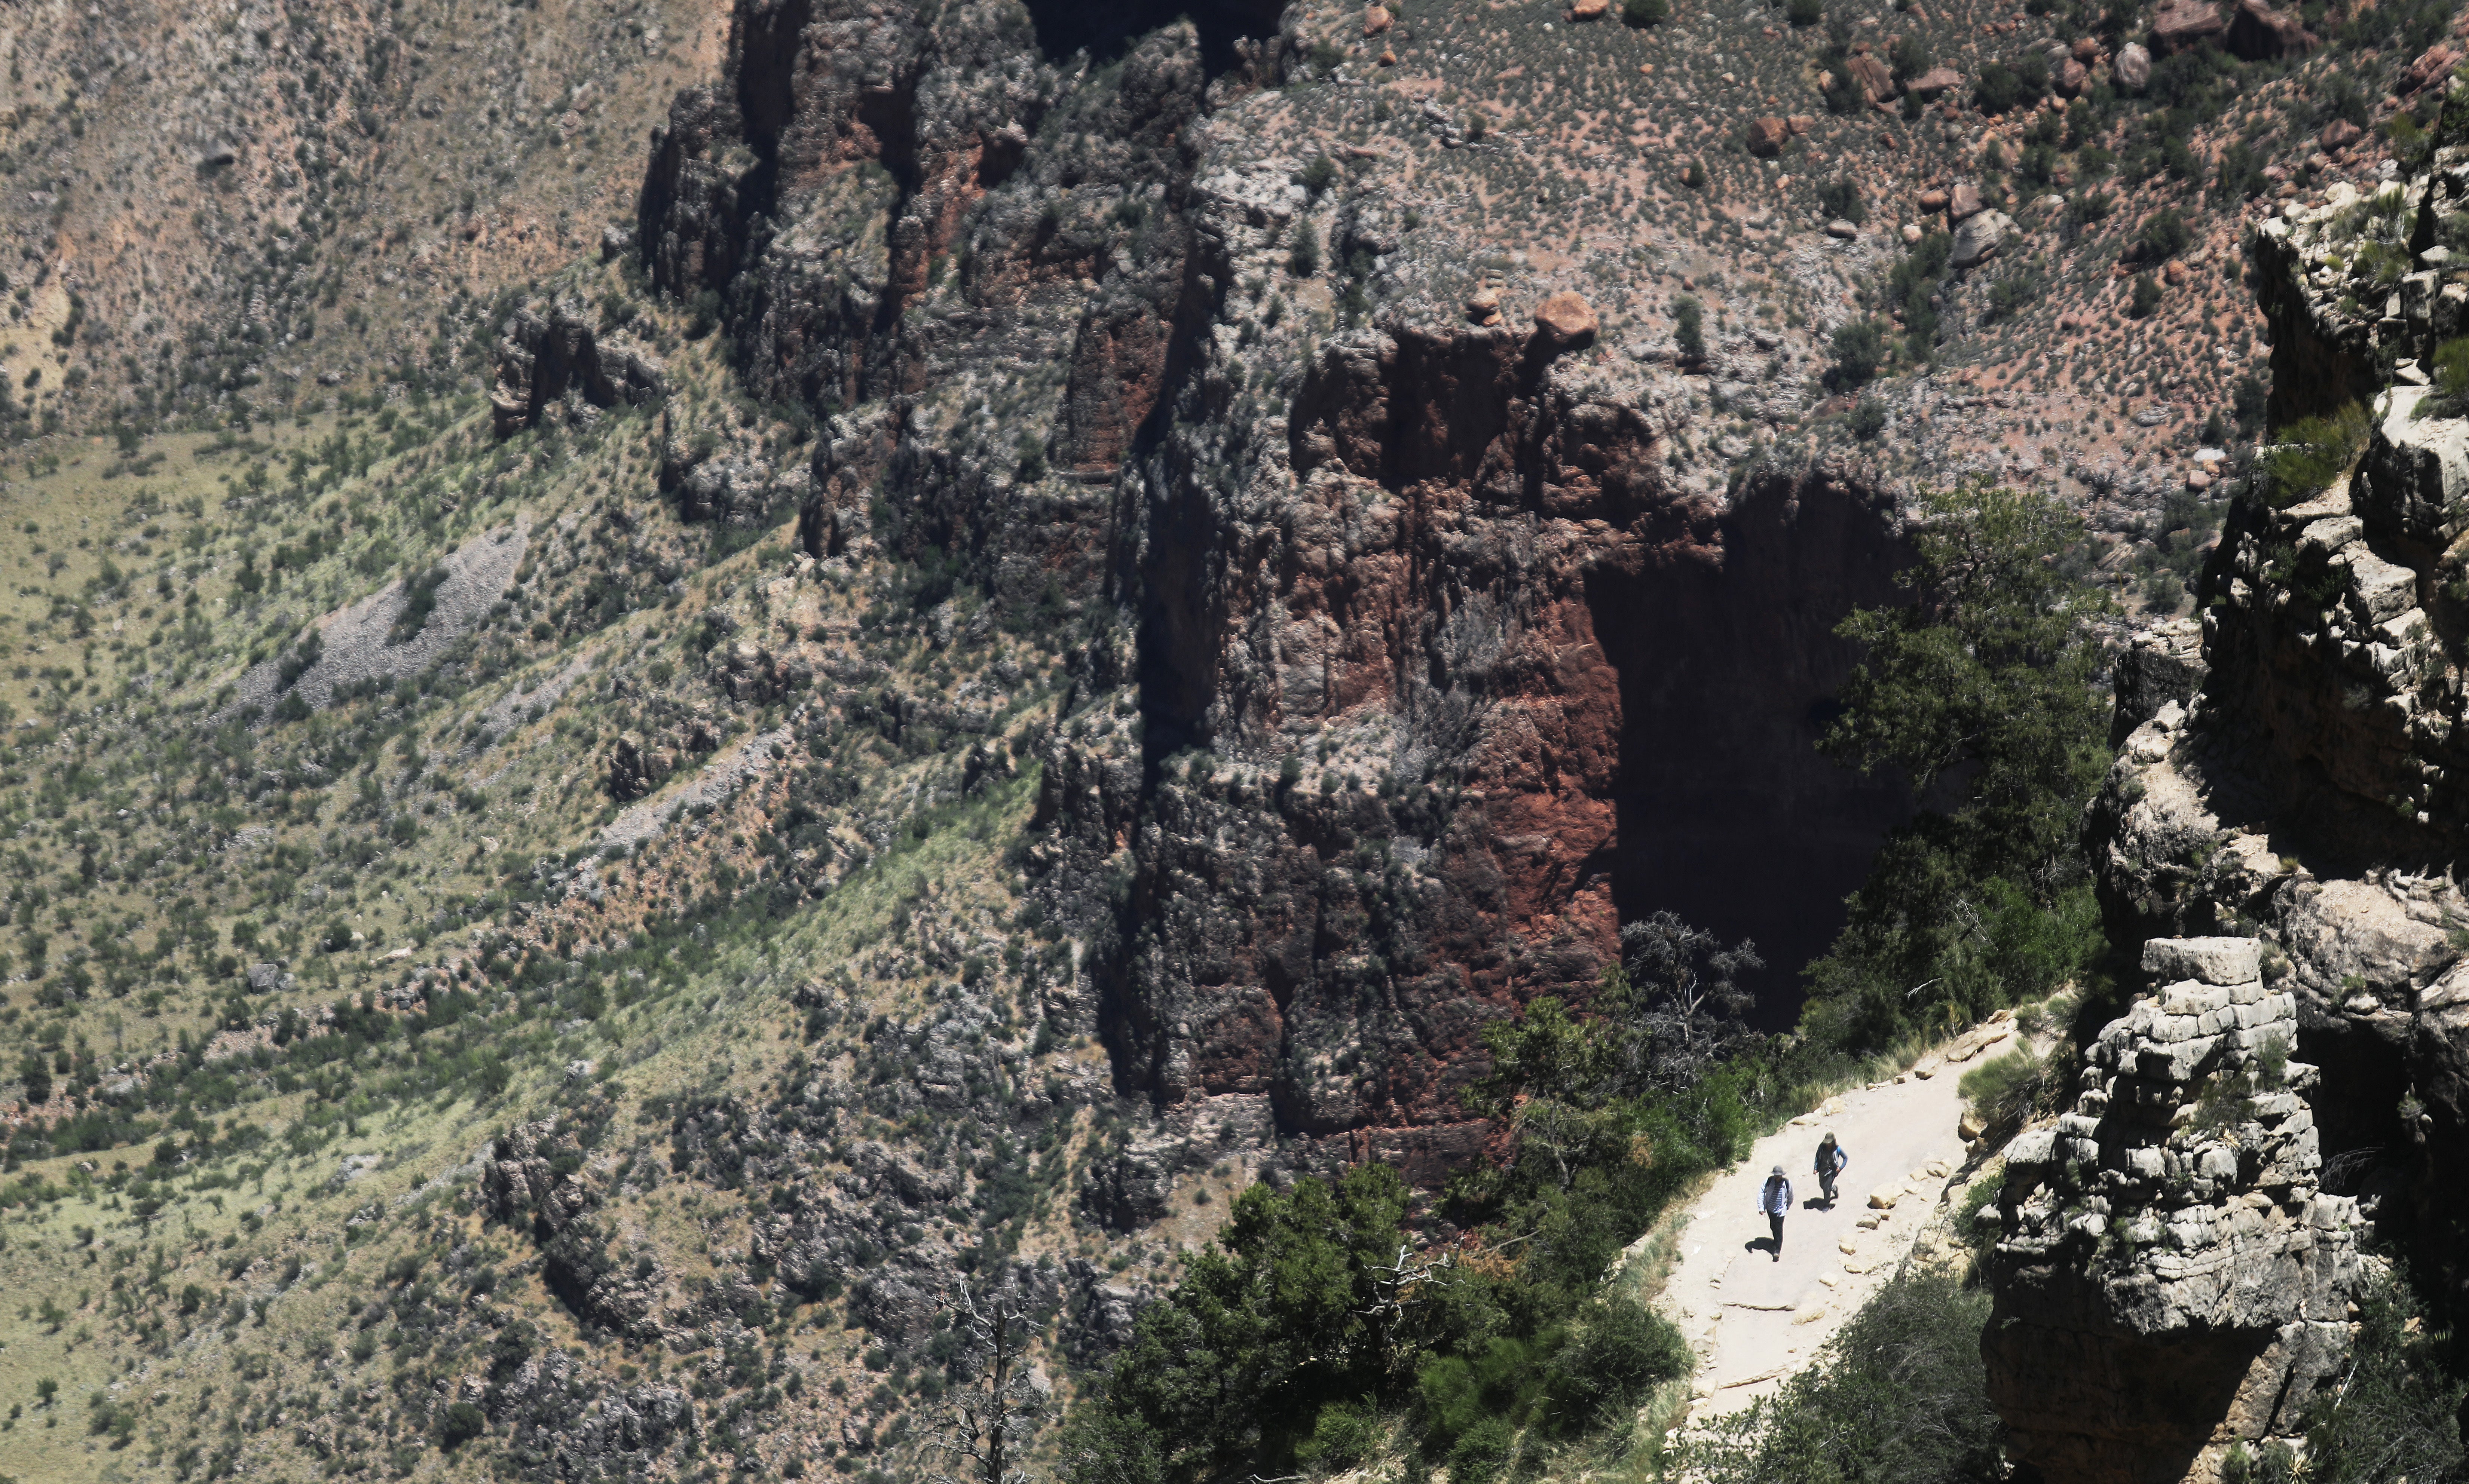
(1774, 1197)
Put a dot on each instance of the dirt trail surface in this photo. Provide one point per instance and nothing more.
(1754, 1320)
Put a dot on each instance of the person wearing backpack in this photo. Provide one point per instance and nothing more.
(1831, 1160)
(1774, 1200)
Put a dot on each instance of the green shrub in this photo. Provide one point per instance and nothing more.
(1859, 346)
(2396, 1415)
(1483, 1450)
(1343, 1434)
(1805, 12)
(2166, 234)
(1304, 261)
(1458, 1393)
(462, 1421)
(1841, 197)
(1646, 12)
(1688, 328)
(2146, 297)
(2311, 454)
(1868, 418)
(1999, 89)
(1617, 1353)
(2449, 395)
(1900, 1394)
(2007, 1091)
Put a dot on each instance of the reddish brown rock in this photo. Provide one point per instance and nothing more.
(1800, 124)
(2258, 32)
(1619, 588)
(1376, 20)
(2086, 50)
(2072, 74)
(2180, 24)
(2434, 66)
(1963, 201)
(2338, 134)
(1588, 10)
(1871, 76)
(1564, 322)
(1767, 136)
(1932, 200)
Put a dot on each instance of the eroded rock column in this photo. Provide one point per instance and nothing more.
(2169, 1279)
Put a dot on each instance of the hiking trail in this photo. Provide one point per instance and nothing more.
(1753, 1321)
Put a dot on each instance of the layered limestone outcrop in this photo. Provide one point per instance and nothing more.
(2177, 1252)
(2170, 1277)
(2311, 790)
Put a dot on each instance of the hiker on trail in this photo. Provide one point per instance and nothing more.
(1831, 1160)
(1774, 1200)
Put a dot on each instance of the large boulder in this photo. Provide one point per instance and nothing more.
(1979, 240)
(1934, 81)
(2258, 32)
(1766, 137)
(2133, 69)
(1564, 322)
(2433, 65)
(2180, 24)
(1870, 75)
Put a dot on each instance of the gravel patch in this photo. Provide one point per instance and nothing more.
(356, 639)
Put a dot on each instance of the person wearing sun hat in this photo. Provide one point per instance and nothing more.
(1774, 1198)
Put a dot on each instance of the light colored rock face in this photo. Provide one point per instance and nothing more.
(2168, 1276)
(1979, 238)
(2164, 663)
(2134, 67)
(2415, 479)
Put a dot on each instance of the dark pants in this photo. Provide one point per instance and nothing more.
(1776, 1221)
(1826, 1183)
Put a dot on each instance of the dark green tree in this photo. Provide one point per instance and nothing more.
(1859, 347)
(37, 1074)
(1688, 328)
(1981, 694)
(1287, 1315)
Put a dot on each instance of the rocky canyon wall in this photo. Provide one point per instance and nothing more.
(1406, 671)
(2175, 1248)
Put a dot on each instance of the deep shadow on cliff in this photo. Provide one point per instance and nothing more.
(1728, 666)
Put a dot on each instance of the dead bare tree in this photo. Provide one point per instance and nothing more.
(987, 1419)
(1686, 998)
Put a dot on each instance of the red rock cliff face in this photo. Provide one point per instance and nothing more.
(1440, 688)
(1404, 676)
